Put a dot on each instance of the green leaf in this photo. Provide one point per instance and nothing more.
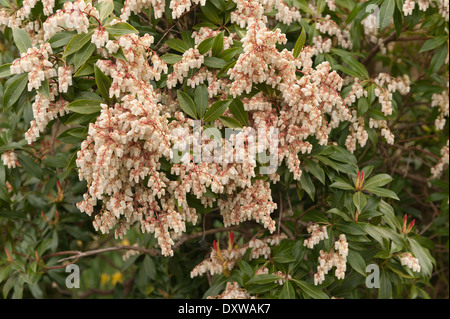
(177, 45)
(246, 269)
(359, 200)
(307, 185)
(187, 38)
(213, 62)
(216, 110)
(205, 45)
(341, 214)
(85, 69)
(310, 290)
(30, 166)
(83, 55)
(377, 181)
(434, 43)
(4, 272)
(5, 70)
(14, 90)
(263, 279)
(357, 262)
(376, 232)
(438, 59)
(61, 38)
(120, 29)
(44, 89)
(382, 192)
(385, 291)
(386, 13)
(103, 83)
(211, 13)
(21, 40)
(230, 53)
(201, 99)
(356, 67)
(299, 44)
(363, 106)
(287, 292)
(230, 122)
(350, 228)
(342, 184)
(149, 267)
(217, 287)
(389, 215)
(315, 169)
(171, 58)
(84, 106)
(217, 45)
(347, 71)
(423, 255)
(73, 135)
(186, 104)
(77, 42)
(105, 8)
(237, 109)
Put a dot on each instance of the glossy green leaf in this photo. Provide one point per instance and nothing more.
(120, 29)
(201, 99)
(216, 110)
(186, 104)
(103, 83)
(238, 111)
(77, 42)
(21, 40)
(14, 90)
(84, 106)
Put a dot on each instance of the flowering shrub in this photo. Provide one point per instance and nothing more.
(138, 136)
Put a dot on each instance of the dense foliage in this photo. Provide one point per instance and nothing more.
(115, 156)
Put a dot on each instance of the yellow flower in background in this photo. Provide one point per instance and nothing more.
(125, 242)
(117, 277)
(104, 279)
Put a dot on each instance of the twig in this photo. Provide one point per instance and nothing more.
(79, 254)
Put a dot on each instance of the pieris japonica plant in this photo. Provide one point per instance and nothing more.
(224, 148)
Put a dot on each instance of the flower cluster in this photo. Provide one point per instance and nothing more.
(254, 202)
(9, 159)
(386, 85)
(327, 25)
(191, 59)
(45, 110)
(36, 62)
(318, 233)
(74, 16)
(321, 45)
(409, 261)
(233, 291)
(24, 12)
(443, 5)
(357, 133)
(441, 101)
(224, 260)
(442, 164)
(100, 37)
(282, 277)
(206, 33)
(336, 258)
(256, 9)
(180, 6)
